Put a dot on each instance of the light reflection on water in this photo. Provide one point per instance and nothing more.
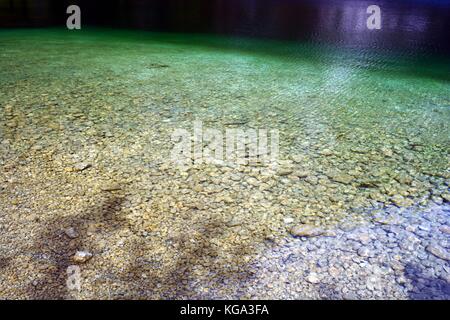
(416, 26)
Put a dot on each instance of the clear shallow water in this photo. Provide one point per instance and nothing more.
(365, 130)
(318, 96)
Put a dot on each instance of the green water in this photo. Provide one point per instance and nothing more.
(113, 98)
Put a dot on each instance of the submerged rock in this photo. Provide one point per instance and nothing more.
(284, 171)
(313, 278)
(298, 158)
(81, 166)
(301, 173)
(71, 233)
(445, 229)
(363, 238)
(326, 152)
(306, 230)
(234, 222)
(438, 251)
(110, 187)
(402, 201)
(387, 152)
(288, 220)
(446, 197)
(364, 252)
(156, 65)
(342, 178)
(82, 256)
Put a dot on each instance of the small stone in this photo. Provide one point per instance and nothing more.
(445, 229)
(388, 220)
(284, 171)
(313, 278)
(437, 199)
(343, 178)
(297, 158)
(438, 251)
(387, 152)
(81, 166)
(364, 252)
(234, 222)
(288, 220)
(82, 256)
(361, 150)
(253, 182)
(446, 197)
(11, 124)
(401, 201)
(71, 233)
(301, 173)
(334, 272)
(228, 199)
(397, 265)
(401, 280)
(347, 226)
(364, 238)
(404, 179)
(373, 283)
(312, 180)
(326, 152)
(330, 233)
(306, 230)
(110, 187)
(350, 296)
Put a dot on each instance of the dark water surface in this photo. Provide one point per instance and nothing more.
(415, 25)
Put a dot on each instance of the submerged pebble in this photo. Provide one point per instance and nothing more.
(82, 256)
(306, 231)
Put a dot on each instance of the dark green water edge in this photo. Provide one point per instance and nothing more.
(404, 63)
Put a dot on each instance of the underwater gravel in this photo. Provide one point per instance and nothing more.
(405, 258)
(85, 179)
